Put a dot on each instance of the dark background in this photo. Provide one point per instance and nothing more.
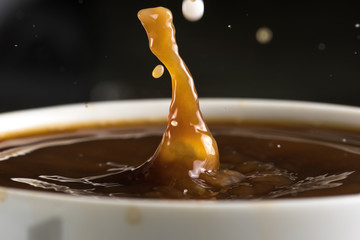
(65, 51)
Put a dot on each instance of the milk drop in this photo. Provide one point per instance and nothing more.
(193, 10)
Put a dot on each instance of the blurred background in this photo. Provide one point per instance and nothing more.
(66, 51)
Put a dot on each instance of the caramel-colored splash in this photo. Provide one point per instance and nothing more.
(187, 148)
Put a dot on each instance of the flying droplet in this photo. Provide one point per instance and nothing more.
(193, 10)
(158, 71)
(357, 25)
(264, 35)
(321, 46)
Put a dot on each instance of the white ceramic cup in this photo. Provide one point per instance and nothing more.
(45, 216)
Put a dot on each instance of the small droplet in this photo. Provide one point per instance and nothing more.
(278, 146)
(185, 191)
(330, 75)
(34, 26)
(321, 46)
(264, 35)
(16, 45)
(357, 25)
(344, 140)
(193, 10)
(174, 123)
(229, 26)
(356, 52)
(158, 71)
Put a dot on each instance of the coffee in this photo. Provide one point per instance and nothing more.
(275, 161)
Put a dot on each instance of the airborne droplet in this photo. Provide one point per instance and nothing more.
(264, 35)
(193, 10)
(158, 71)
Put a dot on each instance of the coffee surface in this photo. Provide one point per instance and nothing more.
(273, 161)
